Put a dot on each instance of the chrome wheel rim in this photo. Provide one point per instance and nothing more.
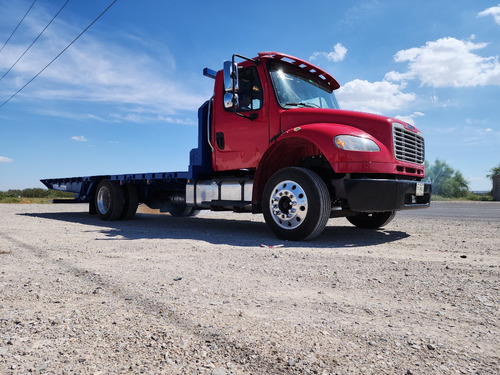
(288, 204)
(103, 200)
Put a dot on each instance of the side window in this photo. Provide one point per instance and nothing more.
(250, 89)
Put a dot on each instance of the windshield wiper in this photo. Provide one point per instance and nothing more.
(303, 104)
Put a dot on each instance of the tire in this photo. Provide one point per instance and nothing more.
(109, 200)
(371, 220)
(182, 210)
(296, 204)
(131, 201)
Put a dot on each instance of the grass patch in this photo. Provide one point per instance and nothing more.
(9, 200)
(23, 200)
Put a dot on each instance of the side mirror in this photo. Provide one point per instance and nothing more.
(231, 101)
(231, 85)
(228, 79)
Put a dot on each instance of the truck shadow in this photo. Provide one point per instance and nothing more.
(231, 230)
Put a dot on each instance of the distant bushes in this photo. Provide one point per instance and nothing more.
(33, 193)
(485, 197)
(479, 197)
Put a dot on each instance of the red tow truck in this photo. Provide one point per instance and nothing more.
(273, 140)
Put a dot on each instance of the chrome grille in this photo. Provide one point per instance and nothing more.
(408, 146)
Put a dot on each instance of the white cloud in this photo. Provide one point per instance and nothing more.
(479, 136)
(5, 159)
(79, 138)
(493, 11)
(476, 122)
(141, 117)
(338, 54)
(448, 62)
(410, 119)
(128, 75)
(97, 72)
(375, 97)
(70, 115)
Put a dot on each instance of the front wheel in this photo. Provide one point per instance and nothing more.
(296, 204)
(371, 220)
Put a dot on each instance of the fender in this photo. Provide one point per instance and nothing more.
(315, 139)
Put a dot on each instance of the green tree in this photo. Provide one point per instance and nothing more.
(446, 181)
(456, 186)
(495, 171)
(35, 193)
(13, 193)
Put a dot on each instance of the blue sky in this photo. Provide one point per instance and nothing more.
(124, 97)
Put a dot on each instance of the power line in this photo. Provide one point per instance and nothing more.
(60, 53)
(39, 35)
(22, 19)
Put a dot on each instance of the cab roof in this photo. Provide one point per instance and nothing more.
(323, 76)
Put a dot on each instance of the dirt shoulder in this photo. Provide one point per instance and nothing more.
(162, 295)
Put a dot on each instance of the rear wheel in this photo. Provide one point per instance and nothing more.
(109, 200)
(296, 204)
(371, 220)
(131, 201)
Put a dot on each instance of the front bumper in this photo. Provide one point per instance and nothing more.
(372, 195)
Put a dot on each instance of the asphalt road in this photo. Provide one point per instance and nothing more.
(482, 211)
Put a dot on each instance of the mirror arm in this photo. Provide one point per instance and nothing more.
(245, 58)
(251, 116)
(231, 78)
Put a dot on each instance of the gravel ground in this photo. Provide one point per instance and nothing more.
(162, 295)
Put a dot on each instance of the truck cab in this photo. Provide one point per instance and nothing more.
(249, 119)
(276, 116)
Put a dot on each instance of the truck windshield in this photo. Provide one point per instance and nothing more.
(295, 87)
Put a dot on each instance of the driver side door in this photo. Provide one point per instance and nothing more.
(239, 142)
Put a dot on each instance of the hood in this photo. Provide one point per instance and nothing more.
(380, 127)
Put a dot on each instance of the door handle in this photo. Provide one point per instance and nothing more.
(219, 138)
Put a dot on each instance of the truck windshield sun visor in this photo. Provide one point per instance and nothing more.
(295, 87)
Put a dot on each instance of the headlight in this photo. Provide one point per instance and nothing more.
(352, 143)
